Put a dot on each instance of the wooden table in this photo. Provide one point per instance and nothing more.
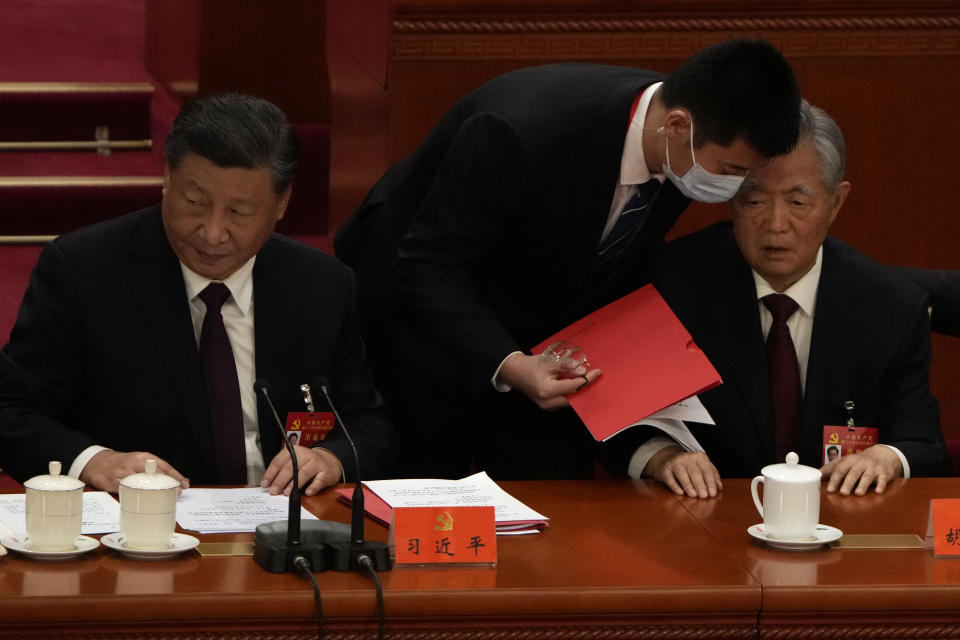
(618, 561)
(846, 593)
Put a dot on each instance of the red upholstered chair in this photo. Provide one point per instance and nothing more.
(953, 449)
(307, 216)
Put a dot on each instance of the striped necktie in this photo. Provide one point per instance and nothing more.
(629, 219)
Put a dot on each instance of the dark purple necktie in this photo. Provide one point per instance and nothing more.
(223, 389)
(785, 390)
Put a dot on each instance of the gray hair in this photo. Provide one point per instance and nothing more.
(236, 131)
(827, 138)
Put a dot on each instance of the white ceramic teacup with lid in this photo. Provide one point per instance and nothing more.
(791, 499)
(148, 508)
(54, 506)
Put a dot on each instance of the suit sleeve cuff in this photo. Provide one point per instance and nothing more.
(76, 467)
(502, 387)
(640, 458)
(903, 459)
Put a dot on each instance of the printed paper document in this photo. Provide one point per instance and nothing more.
(231, 510)
(101, 513)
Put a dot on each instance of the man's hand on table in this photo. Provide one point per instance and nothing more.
(544, 383)
(855, 473)
(107, 468)
(318, 466)
(685, 472)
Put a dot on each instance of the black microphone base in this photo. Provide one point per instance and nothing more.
(272, 551)
(344, 556)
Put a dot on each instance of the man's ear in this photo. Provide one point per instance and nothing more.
(676, 124)
(283, 202)
(843, 190)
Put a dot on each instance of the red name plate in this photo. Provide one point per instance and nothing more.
(946, 527)
(846, 440)
(444, 535)
(309, 428)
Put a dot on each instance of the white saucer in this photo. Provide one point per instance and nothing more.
(822, 535)
(21, 544)
(179, 543)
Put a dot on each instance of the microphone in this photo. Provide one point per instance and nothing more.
(357, 553)
(277, 545)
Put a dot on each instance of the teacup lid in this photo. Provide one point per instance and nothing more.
(54, 481)
(150, 478)
(792, 471)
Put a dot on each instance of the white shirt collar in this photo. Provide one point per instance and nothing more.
(240, 283)
(803, 291)
(633, 166)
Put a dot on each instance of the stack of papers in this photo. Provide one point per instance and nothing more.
(512, 516)
(101, 513)
(231, 510)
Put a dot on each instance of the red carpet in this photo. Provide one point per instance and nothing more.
(72, 40)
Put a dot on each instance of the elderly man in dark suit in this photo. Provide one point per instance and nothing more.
(141, 337)
(523, 210)
(770, 288)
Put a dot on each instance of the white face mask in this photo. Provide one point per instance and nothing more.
(700, 184)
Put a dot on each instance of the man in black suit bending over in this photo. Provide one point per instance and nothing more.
(141, 337)
(522, 211)
(797, 324)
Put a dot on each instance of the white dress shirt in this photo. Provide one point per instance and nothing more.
(800, 324)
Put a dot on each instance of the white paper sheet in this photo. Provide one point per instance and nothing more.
(101, 513)
(476, 490)
(231, 510)
(677, 430)
(691, 410)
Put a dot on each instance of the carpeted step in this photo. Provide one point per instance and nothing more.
(49, 193)
(50, 205)
(44, 112)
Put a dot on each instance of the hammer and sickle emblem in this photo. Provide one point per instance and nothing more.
(296, 422)
(444, 522)
(834, 438)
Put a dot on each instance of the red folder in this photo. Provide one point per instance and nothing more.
(648, 358)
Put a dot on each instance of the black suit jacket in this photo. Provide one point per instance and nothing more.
(484, 240)
(870, 344)
(103, 352)
(943, 285)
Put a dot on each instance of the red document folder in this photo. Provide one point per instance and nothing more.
(648, 358)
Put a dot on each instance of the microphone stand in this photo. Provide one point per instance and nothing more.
(356, 553)
(277, 545)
